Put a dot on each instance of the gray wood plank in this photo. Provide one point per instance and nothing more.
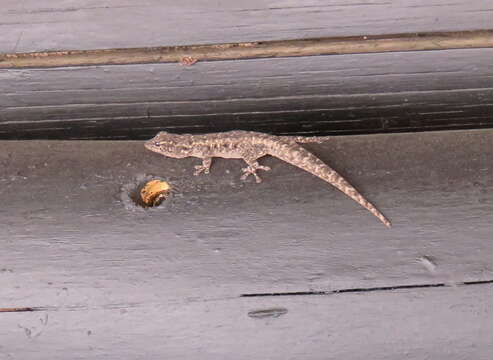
(69, 224)
(307, 95)
(86, 24)
(109, 280)
(446, 323)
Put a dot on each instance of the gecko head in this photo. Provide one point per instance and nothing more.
(172, 145)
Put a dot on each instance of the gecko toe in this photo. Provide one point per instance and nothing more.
(249, 170)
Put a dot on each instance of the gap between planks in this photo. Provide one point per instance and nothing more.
(258, 49)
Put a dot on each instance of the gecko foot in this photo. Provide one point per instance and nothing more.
(188, 61)
(252, 170)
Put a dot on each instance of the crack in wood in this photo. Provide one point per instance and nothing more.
(371, 289)
(273, 294)
(251, 50)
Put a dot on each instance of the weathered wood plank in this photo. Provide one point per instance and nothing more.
(85, 24)
(112, 280)
(318, 95)
(66, 226)
(446, 323)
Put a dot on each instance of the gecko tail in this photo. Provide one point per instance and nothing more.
(327, 173)
(341, 184)
(302, 158)
(349, 190)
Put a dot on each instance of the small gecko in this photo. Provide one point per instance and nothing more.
(250, 146)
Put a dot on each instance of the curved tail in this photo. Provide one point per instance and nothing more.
(296, 155)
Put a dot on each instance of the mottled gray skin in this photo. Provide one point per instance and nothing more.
(250, 146)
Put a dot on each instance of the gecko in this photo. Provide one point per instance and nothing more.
(251, 146)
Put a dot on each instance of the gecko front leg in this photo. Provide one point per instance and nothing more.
(204, 167)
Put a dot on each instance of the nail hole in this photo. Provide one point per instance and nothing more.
(146, 192)
(154, 192)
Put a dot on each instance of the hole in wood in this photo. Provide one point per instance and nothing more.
(153, 193)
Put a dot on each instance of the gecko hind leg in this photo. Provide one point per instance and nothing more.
(252, 168)
(204, 167)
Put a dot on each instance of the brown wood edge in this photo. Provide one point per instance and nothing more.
(17, 309)
(188, 55)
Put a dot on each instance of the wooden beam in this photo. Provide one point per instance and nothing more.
(226, 267)
(69, 212)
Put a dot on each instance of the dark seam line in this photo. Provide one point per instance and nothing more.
(372, 289)
(303, 293)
